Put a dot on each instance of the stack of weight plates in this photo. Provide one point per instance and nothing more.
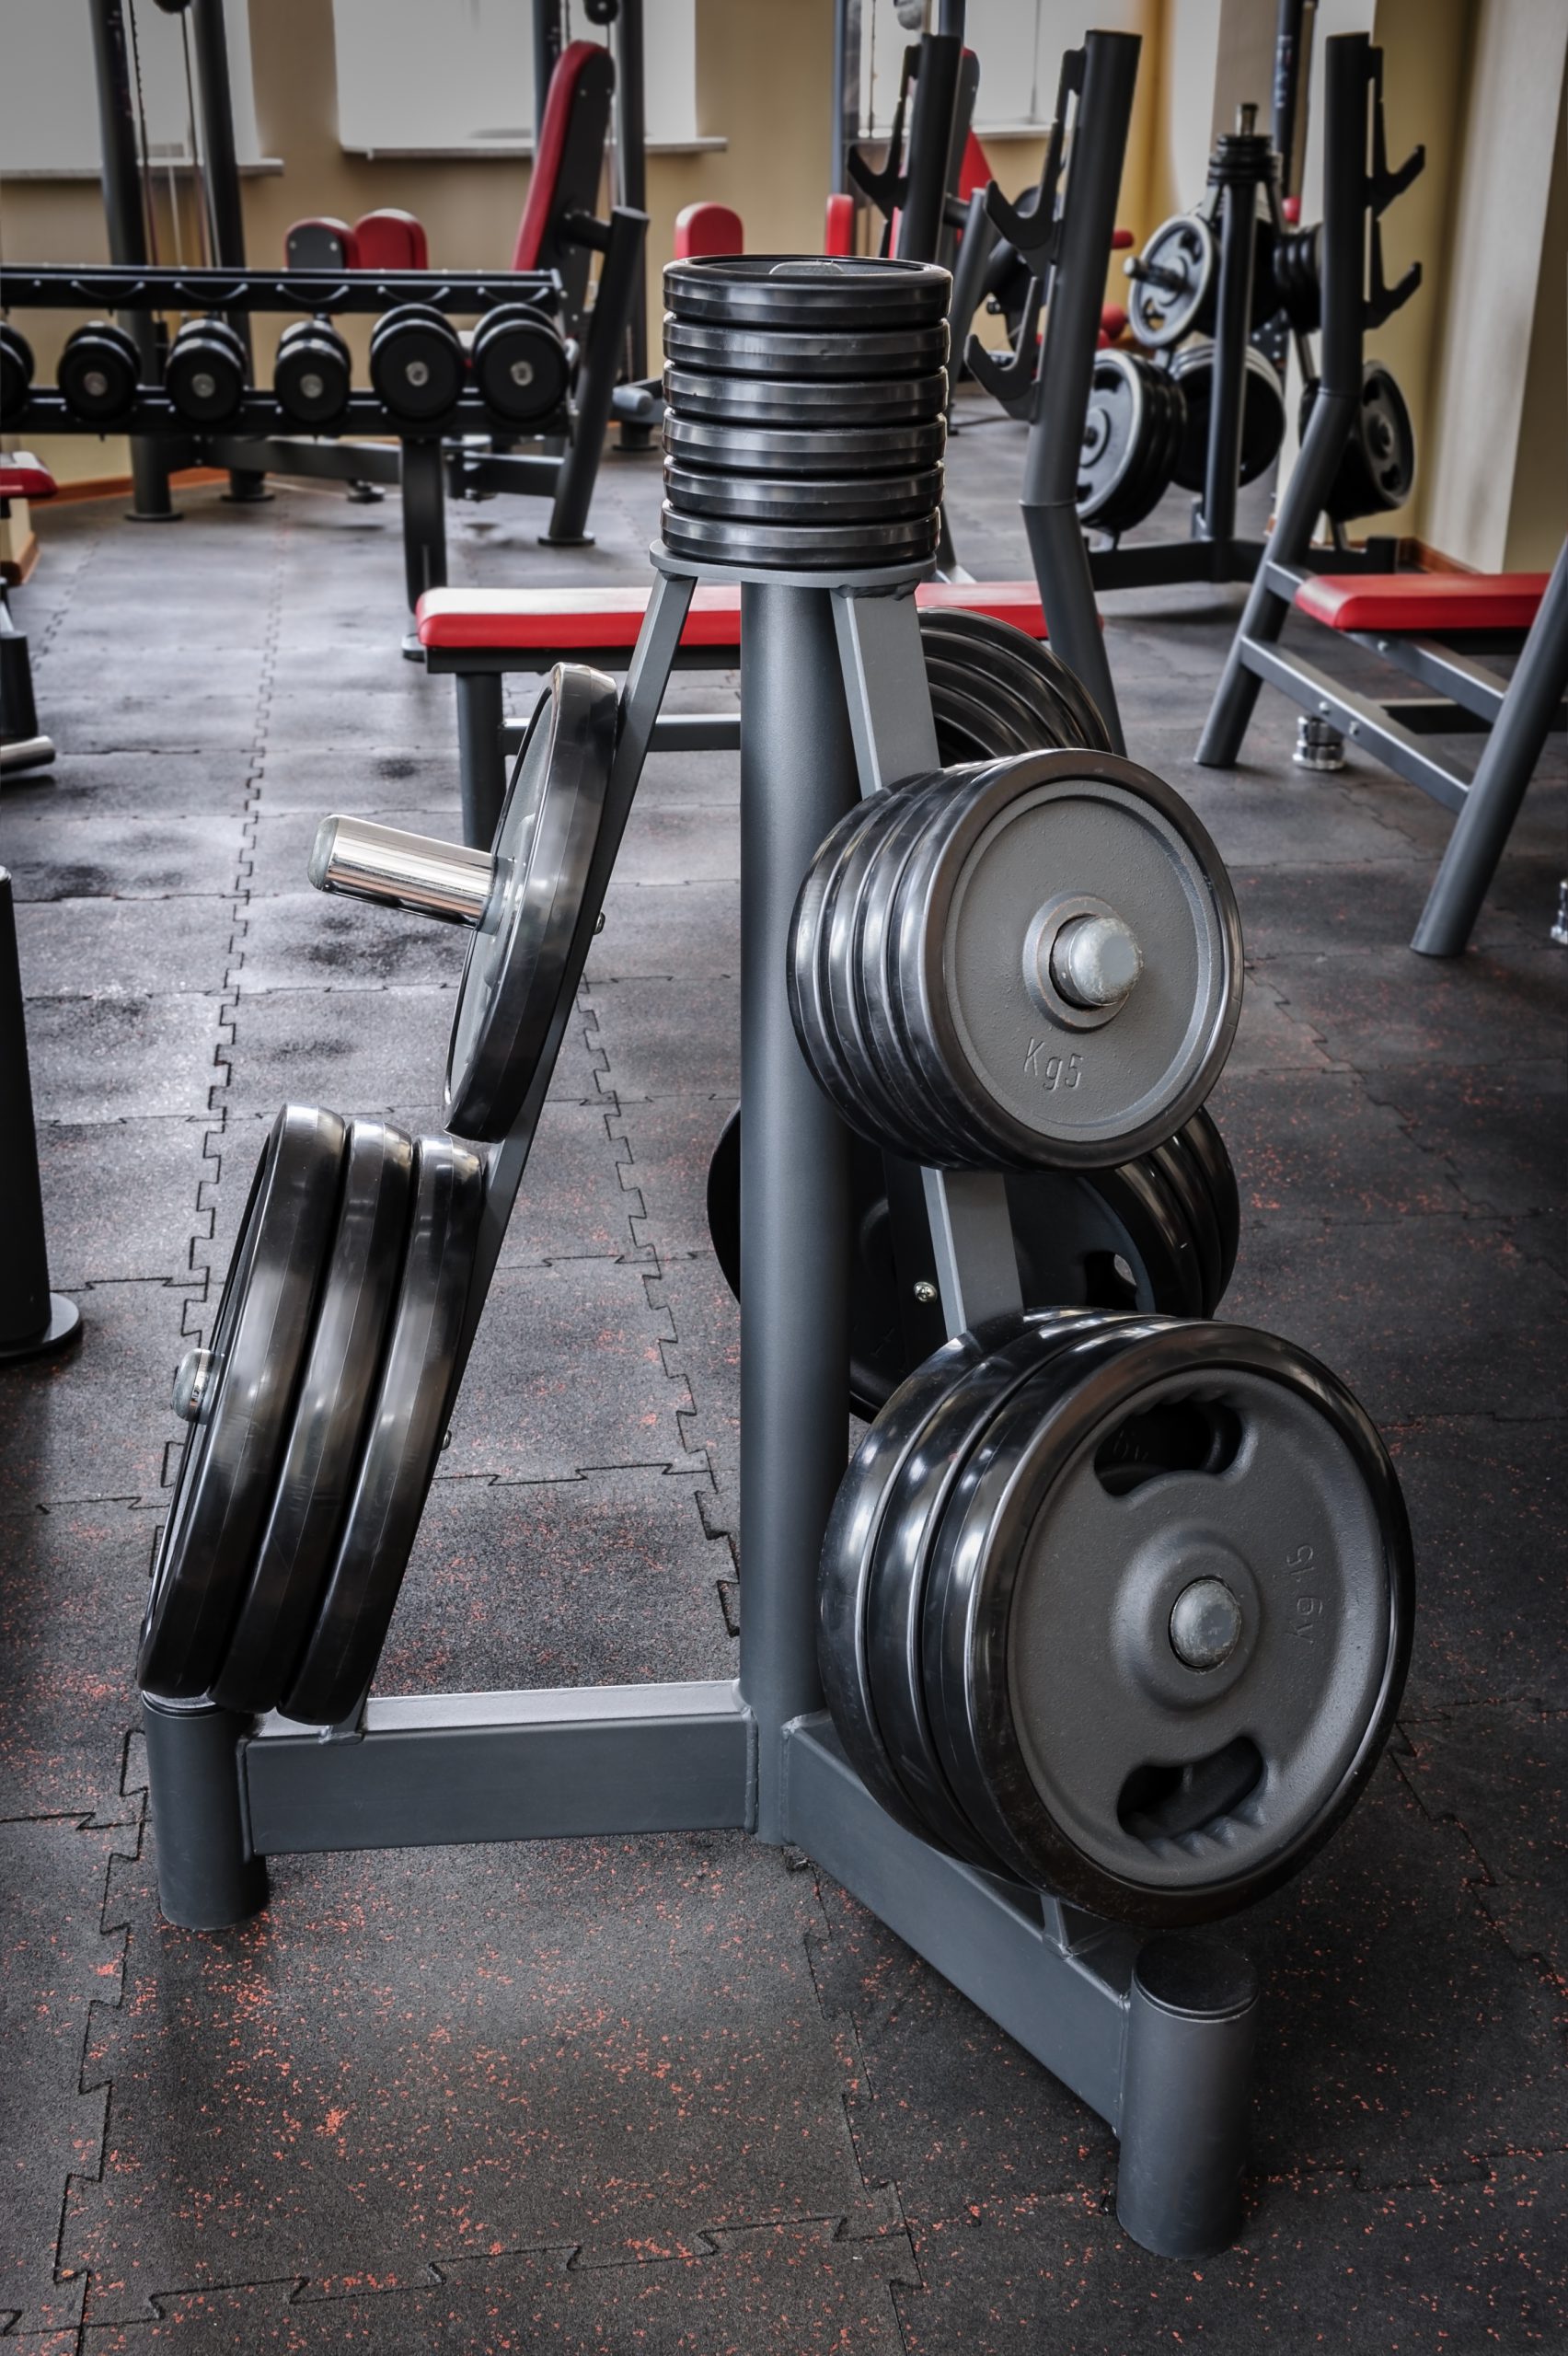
(805, 401)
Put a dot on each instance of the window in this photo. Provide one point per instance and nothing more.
(457, 76)
(49, 120)
(1019, 44)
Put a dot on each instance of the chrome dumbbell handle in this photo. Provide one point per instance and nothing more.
(365, 861)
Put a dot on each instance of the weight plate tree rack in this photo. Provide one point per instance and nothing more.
(1155, 2033)
(260, 437)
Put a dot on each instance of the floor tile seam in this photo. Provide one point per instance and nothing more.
(41, 648)
(845, 2032)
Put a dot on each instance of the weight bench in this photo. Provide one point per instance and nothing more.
(22, 746)
(1433, 628)
(478, 635)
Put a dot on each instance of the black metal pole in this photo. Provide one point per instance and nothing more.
(207, 1878)
(1292, 74)
(1238, 158)
(33, 1319)
(547, 48)
(220, 167)
(127, 222)
(619, 276)
(923, 216)
(631, 165)
(846, 20)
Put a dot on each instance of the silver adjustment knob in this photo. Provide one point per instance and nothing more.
(1206, 1624)
(365, 861)
(191, 1380)
(1095, 960)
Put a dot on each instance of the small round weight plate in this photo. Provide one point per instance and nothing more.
(1168, 1619)
(1262, 413)
(403, 1435)
(337, 1386)
(1201, 1140)
(1131, 435)
(312, 374)
(15, 372)
(417, 363)
(837, 503)
(1176, 296)
(1052, 1068)
(857, 354)
(519, 364)
(518, 957)
(240, 1395)
(799, 406)
(98, 373)
(1377, 468)
(802, 547)
(823, 450)
(806, 291)
(977, 664)
(1196, 1217)
(204, 374)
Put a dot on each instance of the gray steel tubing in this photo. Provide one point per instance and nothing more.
(620, 275)
(1233, 312)
(631, 165)
(798, 777)
(207, 1877)
(1066, 366)
(1186, 2088)
(1480, 831)
(481, 762)
(127, 221)
(922, 215)
(24, 1264)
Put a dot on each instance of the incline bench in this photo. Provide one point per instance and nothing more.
(478, 635)
(1413, 621)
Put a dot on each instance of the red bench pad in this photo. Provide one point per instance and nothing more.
(500, 620)
(1397, 602)
(21, 477)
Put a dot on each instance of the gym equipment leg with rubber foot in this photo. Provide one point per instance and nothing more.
(481, 761)
(208, 1878)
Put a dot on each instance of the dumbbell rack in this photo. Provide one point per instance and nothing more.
(262, 440)
(1157, 2035)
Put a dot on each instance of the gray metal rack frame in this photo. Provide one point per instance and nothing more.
(1155, 2034)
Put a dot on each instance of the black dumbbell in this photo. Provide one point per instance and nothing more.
(417, 363)
(205, 372)
(15, 372)
(519, 364)
(99, 373)
(312, 374)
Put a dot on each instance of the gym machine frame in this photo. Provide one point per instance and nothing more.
(425, 464)
(1155, 2034)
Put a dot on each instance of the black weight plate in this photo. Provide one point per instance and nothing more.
(238, 1433)
(1377, 468)
(1199, 1220)
(517, 959)
(1262, 414)
(1102, 1763)
(323, 1447)
(893, 1605)
(801, 549)
(204, 374)
(857, 354)
(1200, 1138)
(810, 502)
(99, 373)
(312, 373)
(805, 290)
(799, 406)
(1160, 316)
(417, 363)
(819, 450)
(15, 372)
(519, 364)
(1124, 434)
(997, 650)
(403, 1437)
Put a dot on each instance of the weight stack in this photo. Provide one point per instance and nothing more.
(804, 412)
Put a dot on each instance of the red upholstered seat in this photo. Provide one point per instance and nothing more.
(391, 240)
(702, 229)
(23, 477)
(571, 65)
(1423, 601)
(499, 621)
(838, 235)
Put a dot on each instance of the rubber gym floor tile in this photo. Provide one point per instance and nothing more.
(705, 1352)
(1420, 1316)
(104, 948)
(1540, 826)
(1389, 1007)
(673, 843)
(573, 1204)
(944, 2106)
(317, 941)
(339, 724)
(709, 781)
(1400, 2034)
(658, 1043)
(1261, 819)
(664, 930)
(357, 1051)
(669, 1143)
(281, 860)
(294, 778)
(567, 1373)
(120, 1197)
(424, 2055)
(1327, 1149)
(1501, 1775)
(606, 1580)
(1428, 2270)
(135, 785)
(59, 1964)
(1500, 1131)
(157, 723)
(96, 1422)
(1270, 1037)
(126, 1058)
(1486, 1508)
(120, 858)
(73, 1587)
(1374, 903)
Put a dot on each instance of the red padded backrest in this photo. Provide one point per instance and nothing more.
(583, 77)
(708, 229)
(24, 477)
(838, 237)
(320, 242)
(975, 171)
(391, 240)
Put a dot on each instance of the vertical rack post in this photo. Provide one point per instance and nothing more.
(33, 1320)
(1236, 165)
(127, 224)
